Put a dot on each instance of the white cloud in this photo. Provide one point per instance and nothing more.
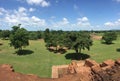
(24, 19)
(117, 23)
(112, 24)
(83, 22)
(62, 23)
(20, 12)
(22, 9)
(35, 19)
(21, 16)
(2, 11)
(38, 21)
(109, 24)
(65, 24)
(31, 9)
(42, 3)
(11, 19)
(83, 19)
(65, 21)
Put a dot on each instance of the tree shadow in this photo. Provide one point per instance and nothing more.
(1, 43)
(24, 52)
(77, 56)
(118, 49)
(107, 43)
(61, 51)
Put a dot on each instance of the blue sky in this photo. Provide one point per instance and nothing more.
(60, 14)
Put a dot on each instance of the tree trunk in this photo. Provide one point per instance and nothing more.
(76, 51)
(56, 50)
(80, 51)
(20, 48)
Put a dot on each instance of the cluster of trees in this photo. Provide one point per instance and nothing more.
(59, 40)
(33, 35)
(5, 34)
(76, 40)
(108, 37)
(19, 37)
(69, 39)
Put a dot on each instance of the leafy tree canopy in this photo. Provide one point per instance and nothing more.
(108, 37)
(71, 40)
(78, 41)
(19, 38)
(5, 34)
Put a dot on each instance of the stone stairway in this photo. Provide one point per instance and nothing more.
(55, 69)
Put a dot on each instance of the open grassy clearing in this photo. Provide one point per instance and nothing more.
(39, 61)
(101, 52)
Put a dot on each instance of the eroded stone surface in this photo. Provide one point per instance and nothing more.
(90, 63)
(118, 61)
(108, 63)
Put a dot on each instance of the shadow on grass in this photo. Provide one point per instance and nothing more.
(107, 43)
(118, 49)
(61, 51)
(1, 44)
(78, 56)
(24, 52)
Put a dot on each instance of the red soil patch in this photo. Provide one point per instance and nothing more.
(96, 37)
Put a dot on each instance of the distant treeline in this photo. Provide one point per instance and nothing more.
(34, 35)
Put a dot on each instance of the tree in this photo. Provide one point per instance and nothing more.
(5, 34)
(33, 36)
(19, 38)
(46, 35)
(39, 34)
(78, 41)
(15, 28)
(54, 40)
(83, 42)
(108, 37)
(0, 33)
(71, 40)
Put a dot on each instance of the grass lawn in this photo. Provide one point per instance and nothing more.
(100, 52)
(39, 61)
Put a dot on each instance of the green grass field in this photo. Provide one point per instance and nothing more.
(39, 61)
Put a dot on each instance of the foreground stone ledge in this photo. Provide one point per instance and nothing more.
(90, 63)
(96, 68)
(118, 61)
(108, 63)
(8, 67)
(58, 70)
(93, 70)
(89, 70)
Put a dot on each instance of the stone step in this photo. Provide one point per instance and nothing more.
(55, 73)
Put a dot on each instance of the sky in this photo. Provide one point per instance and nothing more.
(65, 15)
